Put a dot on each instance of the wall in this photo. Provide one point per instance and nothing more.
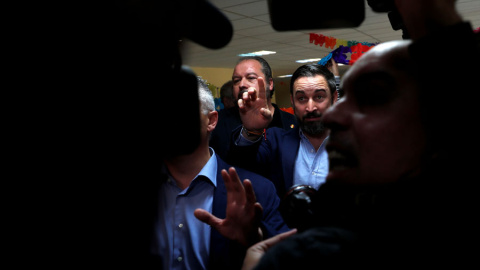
(215, 76)
(282, 92)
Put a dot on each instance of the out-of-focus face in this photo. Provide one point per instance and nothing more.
(310, 98)
(245, 75)
(228, 102)
(376, 134)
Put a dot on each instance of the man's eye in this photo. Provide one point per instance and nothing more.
(375, 91)
(374, 96)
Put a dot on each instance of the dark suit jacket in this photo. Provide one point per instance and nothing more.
(273, 157)
(229, 119)
(227, 254)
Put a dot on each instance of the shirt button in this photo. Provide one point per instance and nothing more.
(179, 259)
(180, 225)
(313, 173)
(311, 151)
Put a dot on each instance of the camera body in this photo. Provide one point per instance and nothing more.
(286, 15)
(308, 14)
(393, 14)
(381, 5)
(296, 207)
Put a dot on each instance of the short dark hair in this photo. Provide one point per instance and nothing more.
(265, 68)
(227, 90)
(312, 70)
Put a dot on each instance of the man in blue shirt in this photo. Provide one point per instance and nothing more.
(294, 157)
(193, 192)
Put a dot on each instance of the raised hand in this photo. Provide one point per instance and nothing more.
(256, 252)
(244, 213)
(333, 67)
(253, 107)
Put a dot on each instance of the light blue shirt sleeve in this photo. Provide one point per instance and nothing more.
(242, 141)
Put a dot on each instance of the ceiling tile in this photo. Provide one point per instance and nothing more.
(228, 3)
(261, 28)
(249, 9)
(246, 23)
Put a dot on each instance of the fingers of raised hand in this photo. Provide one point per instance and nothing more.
(252, 93)
(245, 97)
(266, 113)
(249, 192)
(261, 88)
(278, 238)
(235, 189)
(241, 104)
(249, 95)
(207, 217)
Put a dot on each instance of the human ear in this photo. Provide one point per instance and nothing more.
(212, 120)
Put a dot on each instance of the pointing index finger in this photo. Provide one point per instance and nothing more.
(262, 93)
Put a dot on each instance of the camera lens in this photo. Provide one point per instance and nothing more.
(296, 207)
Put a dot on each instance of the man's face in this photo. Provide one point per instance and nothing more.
(228, 102)
(310, 98)
(245, 75)
(376, 134)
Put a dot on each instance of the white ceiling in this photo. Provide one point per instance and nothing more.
(253, 32)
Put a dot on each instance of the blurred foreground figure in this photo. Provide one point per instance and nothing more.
(96, 85)
(400, 190)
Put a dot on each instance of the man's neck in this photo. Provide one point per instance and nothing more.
(316, 140)
(185, 167)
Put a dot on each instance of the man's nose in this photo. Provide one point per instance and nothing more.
(337, 117)
(243, 83)
(311, 106)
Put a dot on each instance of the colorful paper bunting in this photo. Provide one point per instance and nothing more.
(339, 54)
(342, 48)
(331, 42)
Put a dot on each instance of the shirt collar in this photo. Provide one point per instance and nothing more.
(210, 169)
(302, 135)
(305, 139)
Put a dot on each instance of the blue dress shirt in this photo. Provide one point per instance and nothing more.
(184, 241)
(311, 167)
